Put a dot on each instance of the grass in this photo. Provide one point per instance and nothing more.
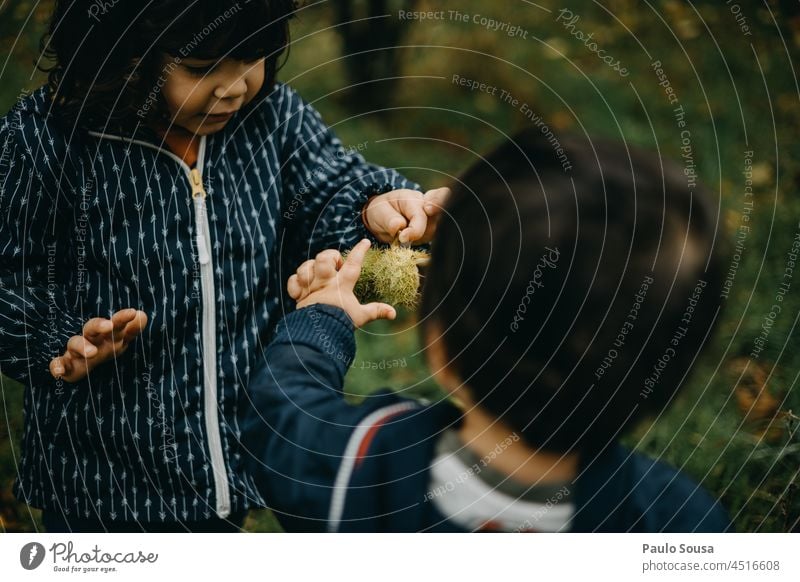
(734, 428)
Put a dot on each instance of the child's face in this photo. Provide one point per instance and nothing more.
(202, 95)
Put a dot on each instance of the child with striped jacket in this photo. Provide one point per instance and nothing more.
(153, 196)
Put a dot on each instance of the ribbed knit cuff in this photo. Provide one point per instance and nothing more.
(364, 195)
(325, 328)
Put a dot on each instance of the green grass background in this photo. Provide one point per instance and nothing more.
(739, 92)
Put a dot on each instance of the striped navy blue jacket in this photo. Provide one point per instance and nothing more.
(93, 223)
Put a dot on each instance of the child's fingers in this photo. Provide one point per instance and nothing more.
(135, 326)
(435, 200)
(331, 255)
(391, 221)
(80, 347)
(60, 366)
(373, 311)
(327, 263)
(121, 318)
(69, 369)
(96, 328)
(293, 288)
(396, 225)
(414, 212)
(305, 274)
(385, 218)
(351, 269)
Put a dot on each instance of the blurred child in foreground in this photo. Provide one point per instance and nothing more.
(560, 308)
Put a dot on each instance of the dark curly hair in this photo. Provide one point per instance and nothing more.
(107, 56)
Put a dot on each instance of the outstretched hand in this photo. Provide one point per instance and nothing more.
(330, 280)
(103, 339)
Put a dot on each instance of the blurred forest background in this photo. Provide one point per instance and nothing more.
(386, 81)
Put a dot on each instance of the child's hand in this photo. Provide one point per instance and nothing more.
(102, 339)
(330, 280)
(412, 214)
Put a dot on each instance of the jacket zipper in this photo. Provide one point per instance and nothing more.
(209, 340)
(209, 347)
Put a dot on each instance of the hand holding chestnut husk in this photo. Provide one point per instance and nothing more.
(367, 283)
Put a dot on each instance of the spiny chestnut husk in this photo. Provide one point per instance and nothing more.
(391, 276)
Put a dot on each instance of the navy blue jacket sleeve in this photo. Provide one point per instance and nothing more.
(298, 428)
(325, 184)
(35, 320)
